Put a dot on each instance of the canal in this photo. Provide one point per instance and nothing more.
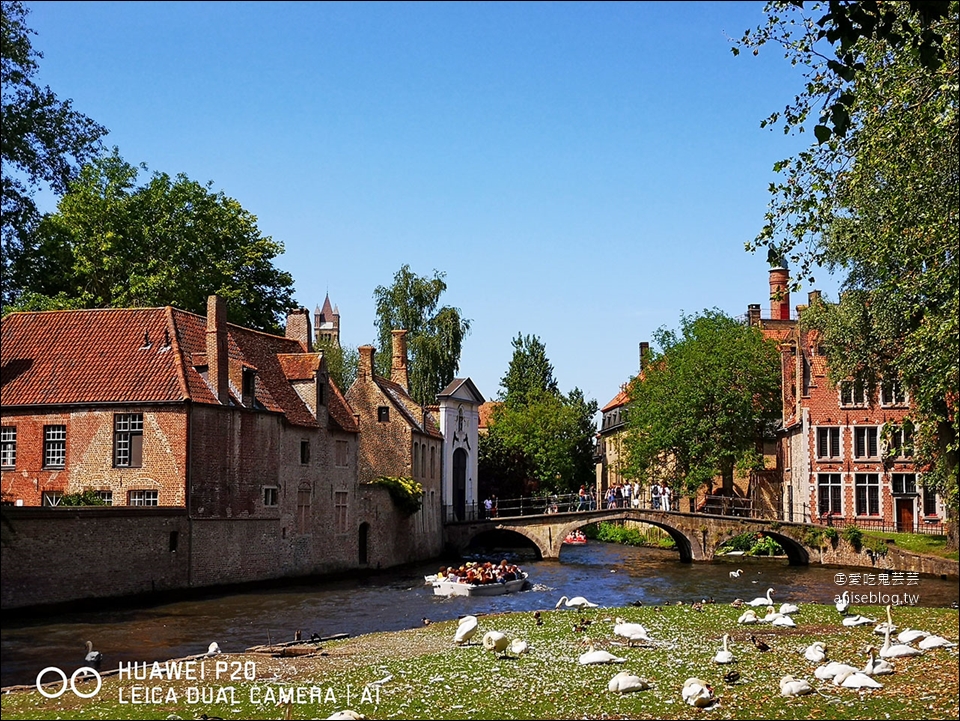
(607, 574)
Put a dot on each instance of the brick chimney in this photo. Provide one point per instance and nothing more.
(779, 293)
(298, 328)
(753, 314)
(644, 349)
(398, 369)
(813, 297)
(365, 369)
(218, 361)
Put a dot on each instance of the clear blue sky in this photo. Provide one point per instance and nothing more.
(580, 172)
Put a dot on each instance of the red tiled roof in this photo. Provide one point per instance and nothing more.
(299, 366)
(819, 365)
(621, 399)
(486, 413)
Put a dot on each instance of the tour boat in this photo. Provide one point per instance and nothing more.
(575, 538)
(455, 588)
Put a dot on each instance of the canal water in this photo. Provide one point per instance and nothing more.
(607, 574)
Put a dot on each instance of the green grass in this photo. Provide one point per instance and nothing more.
(934, 545)
(430, 677)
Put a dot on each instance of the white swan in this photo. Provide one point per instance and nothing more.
(790, 686)
(787, 608)
(858, 620)
(94, 658)
(466, 630)
(577, 602)
(816, 652)
(785, 621)
(518, 647)
(626, 682)
(496, 642)
(697, 693)
(345, 715)
(736, 574)
(593, 656)
(724, 655)
(855, 679)
(877, 666)
(843, 603)
(631, 631)
(898, 650)
(763, 600)
(909, 635)
(881, 628)
(748, 616)
(213, 649)
(827, 672)
(928, 642)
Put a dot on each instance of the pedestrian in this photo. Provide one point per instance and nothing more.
(496, 510)
(488, 507)
(666, 495)
(619, 496)
(655, 496)
(582, 499)
(637, 491)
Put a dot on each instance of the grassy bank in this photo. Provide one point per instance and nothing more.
(424, 675)
(930, 544)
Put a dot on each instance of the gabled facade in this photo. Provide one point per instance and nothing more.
(459, 410)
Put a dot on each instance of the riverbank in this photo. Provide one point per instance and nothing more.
(421, 673)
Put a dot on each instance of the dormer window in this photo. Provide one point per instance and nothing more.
(249, 386)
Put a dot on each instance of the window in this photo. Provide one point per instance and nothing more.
(271, 496)
(383, 414)
(865, 442)
(249, 381)
(51, 498)
(54, 446)
(128, 440)
(807, 372)
(892, 393)
(929, 502)
(904, 483)
(303, 508)
(828, 443)
(340, 453)
(105, 496)
(853, 393)
(144, 498)
(8, 446)
(340, 511)
(433, 461)
(901, 442)
(867, 487)
(829, 492)
(416, 455)
(304, 452)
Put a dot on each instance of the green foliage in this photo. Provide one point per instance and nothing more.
(704, 401)
(831, 533)
(530, 373)
(854, 536)
(628, 536)
(876, 197)
(752, 544)
(406, 493)
(44, 140)
(171, 241)
(87, 497)
(342, 363)
(503, 471)
(814, 537)
(434, 335)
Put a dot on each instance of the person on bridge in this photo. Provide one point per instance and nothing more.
(666, 496)
(627, 492)
(488, 507)
(655, 496)
(583, 502)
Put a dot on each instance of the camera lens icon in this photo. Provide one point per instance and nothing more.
(82, 673)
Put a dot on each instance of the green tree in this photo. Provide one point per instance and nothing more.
(43, 140)
(434, 335)
(703, 402)
(878, 202)
(171, 241)
(342, 363)
(502, 471)
(530, 371)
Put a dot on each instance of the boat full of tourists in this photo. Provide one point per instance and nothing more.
(478, 579)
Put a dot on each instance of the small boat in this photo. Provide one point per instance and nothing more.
(456, 588)
(575, 538)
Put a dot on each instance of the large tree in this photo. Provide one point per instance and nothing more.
(876, 197)
(171, 241)
(43, 139)
(706, 396)
(530, 371)
(342, 363)
(434, 334)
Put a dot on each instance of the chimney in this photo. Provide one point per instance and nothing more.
(365, 369)
(217, 358)
(753, 314)
(298, 328)
(813, 297)
(644, 349)
(779, 293)
(398, 369)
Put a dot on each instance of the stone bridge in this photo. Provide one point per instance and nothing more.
(697, 535)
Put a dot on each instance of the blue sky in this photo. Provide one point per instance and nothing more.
(580, 172)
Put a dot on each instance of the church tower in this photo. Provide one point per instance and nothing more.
(326, 323)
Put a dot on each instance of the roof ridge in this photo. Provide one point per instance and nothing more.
(175, 344)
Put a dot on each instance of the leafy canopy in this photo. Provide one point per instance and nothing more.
(44, 140)
(703, 401)
(171, 241)
(434, 335)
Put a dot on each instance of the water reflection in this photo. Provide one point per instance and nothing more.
(606, 574)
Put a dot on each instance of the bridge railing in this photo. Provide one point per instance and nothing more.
(934, 528)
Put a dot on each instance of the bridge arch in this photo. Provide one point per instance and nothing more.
(684, 544)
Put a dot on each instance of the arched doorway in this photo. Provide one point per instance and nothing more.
(364, 537)
(460, 484)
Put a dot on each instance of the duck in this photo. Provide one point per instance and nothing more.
(855, 679)
(787, 608)
(877, 666)
(843, 603)
(94, 658)
(724, 655)
(737, 573)
(213, 649)
(830, 670)
(858, 620)
(928, 642)
(495, 642)
(815, 652)
(790, 686)
(631, 631)
(749, 616)
(578, 602)
(626, 682)
(697, 693)
(593, 656)
(518, 647)
(466, 630)
(761, 646)
(762, 600)
(731, 676)
(898, 650)
(909, 635)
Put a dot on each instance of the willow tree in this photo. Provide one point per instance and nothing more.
(875, 197)
(434, 334)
